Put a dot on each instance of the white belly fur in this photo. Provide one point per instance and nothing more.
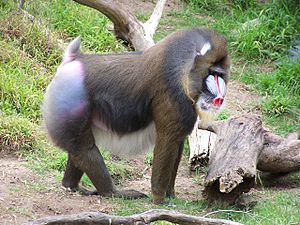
(127, 145)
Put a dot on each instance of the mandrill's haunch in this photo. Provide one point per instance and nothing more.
(131, 102)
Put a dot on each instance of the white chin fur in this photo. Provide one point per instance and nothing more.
(207, 112)
(207, 117)
(128, 145)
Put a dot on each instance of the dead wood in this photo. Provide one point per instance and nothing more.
(126, 25)
(232, 162)
(242, 146)
(280, 155)
(97, 218)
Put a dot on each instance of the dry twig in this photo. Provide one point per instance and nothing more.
(98, 218)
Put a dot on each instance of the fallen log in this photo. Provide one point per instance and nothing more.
(241, 147)
(232, 162)
(280, 155)
(97, 218)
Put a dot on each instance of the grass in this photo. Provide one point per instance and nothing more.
(274, 207)
(259, 35)
(76, 20)
(281, 89)
(16, 134)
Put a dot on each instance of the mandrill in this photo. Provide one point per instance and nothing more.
(130, 102)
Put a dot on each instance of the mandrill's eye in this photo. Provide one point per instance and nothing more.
(216, 85)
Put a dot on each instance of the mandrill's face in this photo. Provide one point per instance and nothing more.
(211, 99)
(207, 79)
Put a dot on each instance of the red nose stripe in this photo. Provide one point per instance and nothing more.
(218, 101)
(218, 85)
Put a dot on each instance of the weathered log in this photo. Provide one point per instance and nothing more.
(280, 155)
(97, 218)
(232, 162)
(243, 146)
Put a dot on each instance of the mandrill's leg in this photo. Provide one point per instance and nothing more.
(88, 158)
(72, 178)
(72, 175)
(171, 190)
(171, 128)
(166, 158)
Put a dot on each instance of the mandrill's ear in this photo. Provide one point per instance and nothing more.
(202, 55)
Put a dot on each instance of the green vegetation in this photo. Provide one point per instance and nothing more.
(282, 90)
(16, 134)
(259, 34)
(224, 114)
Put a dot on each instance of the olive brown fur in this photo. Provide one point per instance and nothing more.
(130, 102)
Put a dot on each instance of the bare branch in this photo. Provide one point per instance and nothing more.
(153, 22)
(147, 217)
(126, 25)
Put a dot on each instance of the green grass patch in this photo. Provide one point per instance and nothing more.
(269, 34)
(32, 37)
(224, 114)
(273, 207)
(17, 134)
(255, 30)
(281, 89)
(73, 19)
(22, 82)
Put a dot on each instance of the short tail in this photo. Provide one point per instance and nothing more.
(72, 51)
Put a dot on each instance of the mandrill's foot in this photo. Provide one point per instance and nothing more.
(83, 191)
(171, 193)
(129, 194)
(158, 200)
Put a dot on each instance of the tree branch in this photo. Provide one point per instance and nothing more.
(151, 25)
(147, 217)
(126, 25)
